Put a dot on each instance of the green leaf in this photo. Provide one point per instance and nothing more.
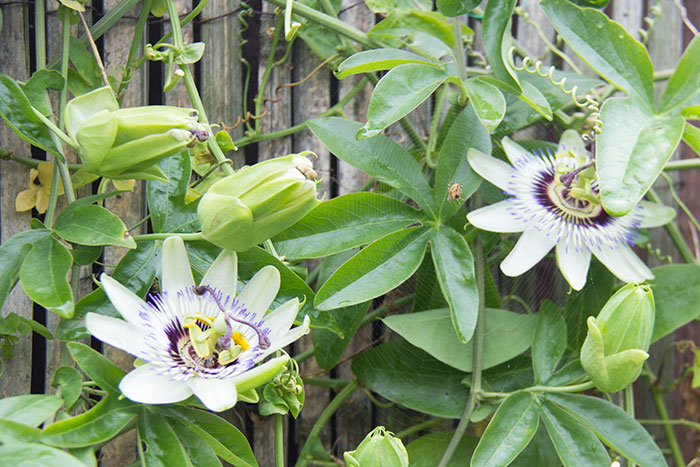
(322, 41)
(85, 255)
(86, 68)
(225, 439)
(12, 254)
(405, 374)
(196, 449)
(15, 432)
(631, 152)
(44, 276)
(31, 410)
(576, 445)
(36, 86)
(375, 270)
(17, 112)
(388, 6)
(488, 102)
(425, 23)
(426, 450)
(400, 91)
(497, 42)
(691, 136)
(676, 290)
(606, 46)
(135, 271)
(535, 99)
(343, 223)
(454, 268)
(191, 53)
(427, 293)
(92, 225)
(509, 431)
(328, 346)
(69, 380)
(162, 446)
(368, 61)
(379, 157)
(98, 430)
(97, 367)
(549, 343)
(166, 200)
(456, 7)
(30, 454)
(507, 334)
(453, 167)
(684, 86)
(614, 426)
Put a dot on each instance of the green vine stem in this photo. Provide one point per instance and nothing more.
(680, 421)
(326, 415)
(572, 388)
(188, 237)
(279, 440)
(478, 342)
(135, 45)
(421, 426)
(192, 88)
(259, 99)
(657, 397)
(682, 164)
(432, 137)
(326, 382)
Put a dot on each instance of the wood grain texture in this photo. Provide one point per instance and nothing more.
(130, 207)
(14, 61)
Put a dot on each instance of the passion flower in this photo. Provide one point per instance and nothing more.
(554, 201)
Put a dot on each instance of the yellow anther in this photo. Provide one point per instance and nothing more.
(238, 339)
(191, 320)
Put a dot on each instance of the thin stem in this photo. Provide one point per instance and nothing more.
(191, 87)
(459, 47)
(326, 382)
(330, 22)
(135, 43)
(680, 421)
(385, 308)
(53, 196)
(433, 135)
(190, 16)
(679, 202)
(95, 52)
(279, 440)
(326, 415)
(40, 33)
(305, 355)
(674, 233)
(629, 408)
(478, 343)
(526, 17)
(668, 429)
(259, 99)
(188, 237)
(421, 426)
(270, 248)
(55, 130)
(34, 163)
(682, 164)
(572, 388)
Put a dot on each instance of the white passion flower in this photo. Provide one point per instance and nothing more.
(203, 340)
(554, 201)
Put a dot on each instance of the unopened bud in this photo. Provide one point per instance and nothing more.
(380, 447)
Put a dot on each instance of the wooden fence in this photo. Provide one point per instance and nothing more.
(220, 77)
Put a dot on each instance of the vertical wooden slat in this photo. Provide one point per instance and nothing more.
(13, 179)
(354, 419)
(221, 74)
(310, 98)
(130, 207)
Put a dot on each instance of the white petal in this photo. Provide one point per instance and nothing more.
(215, 393)
(145, 385)
(282, 318)
(571, 141)
(262, 288)
(514, 151)
(117, 333)
(176, 273)
(223, 273)
(655, 215)
(260, 374)
(532, 246)
(496, 218)
(494, 170)
(573, 264)
(291, 336)
(624, 264)
(127, 303)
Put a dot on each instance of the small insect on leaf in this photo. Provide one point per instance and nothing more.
(454, 192)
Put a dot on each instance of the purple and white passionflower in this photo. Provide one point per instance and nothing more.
(554, 201)
(204, 340)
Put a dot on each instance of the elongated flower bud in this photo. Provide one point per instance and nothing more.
(257, 202)
(380, 447)
(126, 143)
(618, 338)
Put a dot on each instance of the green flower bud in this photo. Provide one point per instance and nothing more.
(258, 202)
(126, 143)
(380, 448)
(618, 338)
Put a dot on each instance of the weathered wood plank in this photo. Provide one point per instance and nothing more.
(14, 178)
(130, 207)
